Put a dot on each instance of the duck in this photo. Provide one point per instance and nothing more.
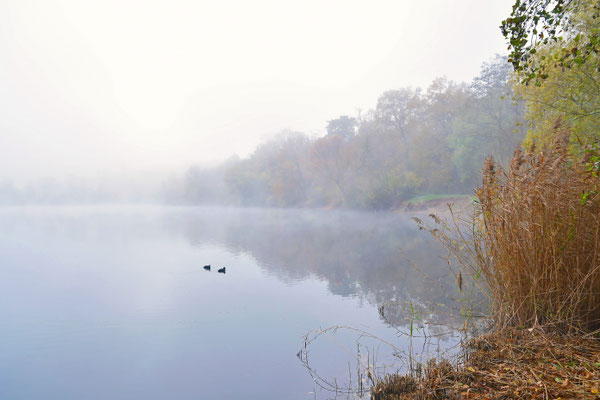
(221, 270)
(207, 267)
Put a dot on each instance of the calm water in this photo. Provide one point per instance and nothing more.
(113, 302)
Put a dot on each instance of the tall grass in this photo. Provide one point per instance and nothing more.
(533, 244)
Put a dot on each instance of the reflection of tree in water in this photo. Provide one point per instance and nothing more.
(382, 258)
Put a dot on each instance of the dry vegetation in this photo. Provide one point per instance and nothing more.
(533, 247)
(510, 364)
(539, 247)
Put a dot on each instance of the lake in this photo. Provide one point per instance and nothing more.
(113, 302)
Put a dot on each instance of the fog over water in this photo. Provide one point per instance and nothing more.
(114, 302)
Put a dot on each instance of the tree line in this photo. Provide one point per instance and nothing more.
(413, 142)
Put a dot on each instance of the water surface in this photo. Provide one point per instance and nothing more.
(114, 303)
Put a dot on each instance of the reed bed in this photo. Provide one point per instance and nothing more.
(533, 244)
(540, 239)
(533, 247)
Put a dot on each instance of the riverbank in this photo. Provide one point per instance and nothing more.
(533, 248)
(510, 364)
(437, 203)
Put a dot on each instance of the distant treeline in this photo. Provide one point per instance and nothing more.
(413, 142)
(128, 189)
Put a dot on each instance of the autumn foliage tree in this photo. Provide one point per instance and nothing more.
(412, 142)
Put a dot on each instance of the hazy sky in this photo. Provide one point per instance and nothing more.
(89, 88)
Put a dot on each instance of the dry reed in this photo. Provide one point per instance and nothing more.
(533, 245)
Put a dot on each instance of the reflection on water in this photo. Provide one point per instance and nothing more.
(115, 303)
(377, 257)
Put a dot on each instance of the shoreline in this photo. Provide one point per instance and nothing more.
(507, 364)
(437, 205)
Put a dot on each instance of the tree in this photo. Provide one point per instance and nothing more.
(246, 183)
(343, 126)
(332, 159)
(490, 123)
(444, 99)
(283, 161)
(275, 174)
(397, 109)
(573, 94)
(571, 26)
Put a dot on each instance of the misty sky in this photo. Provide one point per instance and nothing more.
(94, 88)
